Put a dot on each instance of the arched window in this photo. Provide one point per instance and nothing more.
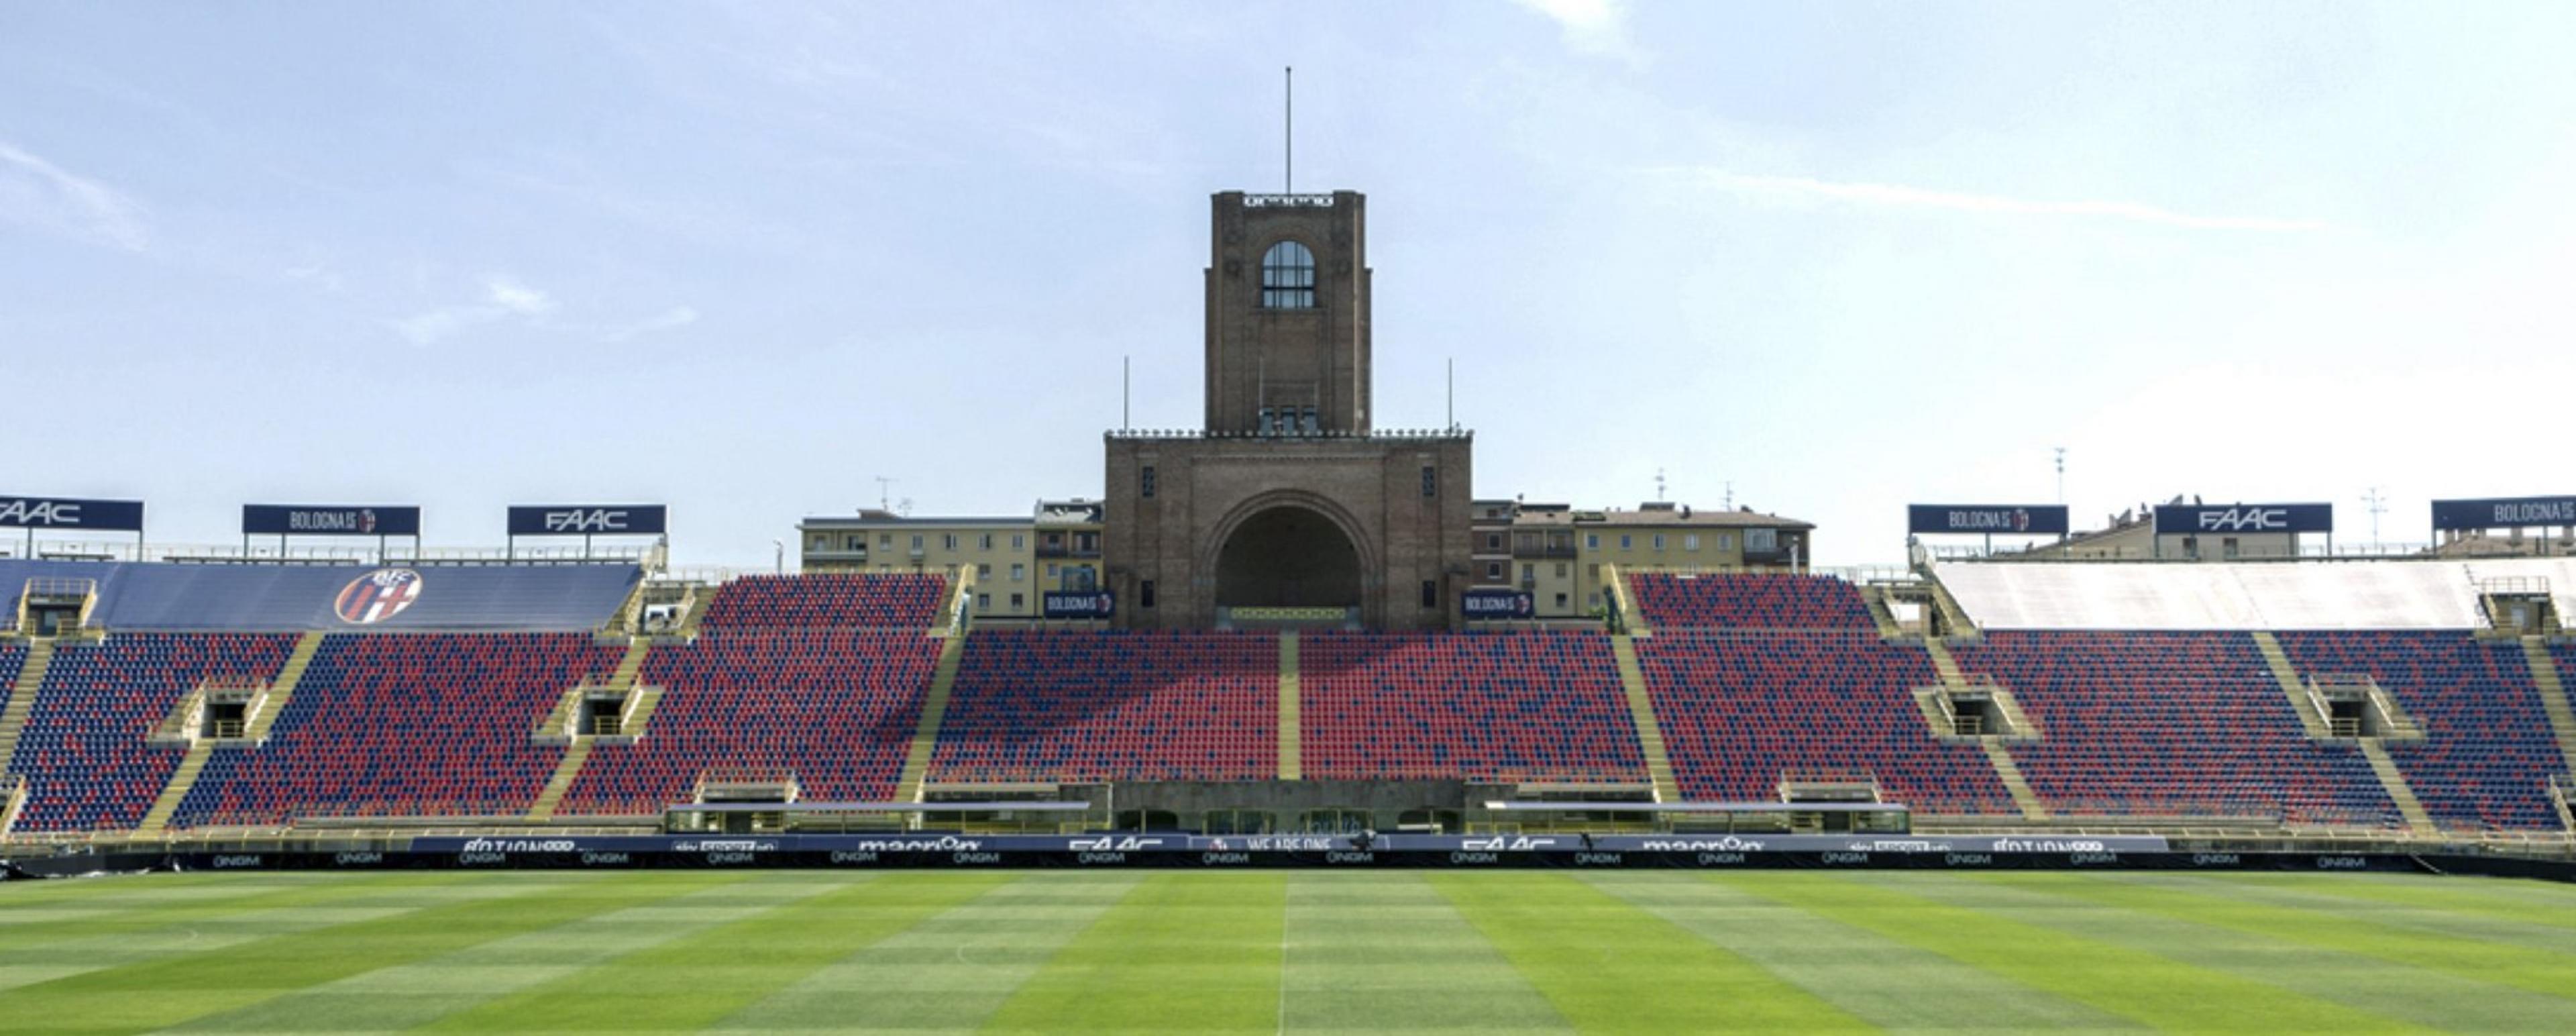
(1288, 277)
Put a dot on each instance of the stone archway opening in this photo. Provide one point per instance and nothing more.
(1288, 557)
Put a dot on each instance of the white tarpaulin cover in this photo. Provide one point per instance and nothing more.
(2313, 595)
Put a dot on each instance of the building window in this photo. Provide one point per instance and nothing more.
(1430, 480)
(985, 543)
(1288, 277)
(984, 571)
(1626, 541)
(1493, 542)
(1145, 594)
(1430, 593)
(1725, 541)
(1019, 541)
(1592, 541)
(1560, 602)
(916, 543)
(1493, 571)
(1145, 482)
(1690, 542)
(1050, 570)
(1560, 570)
(1019, 601)
(1761, 541)
(885, 539)
(1659, 543)
(1019, 572)
(983, 602)
(857, 543)
(1529, 573)
(948, 541)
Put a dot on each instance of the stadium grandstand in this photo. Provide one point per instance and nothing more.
(1290, 624)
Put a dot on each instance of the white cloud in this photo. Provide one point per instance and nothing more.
(1595, 27)
(38, 193)
(502, 298)
(1900, 195)
(515, 298)
(676, 316)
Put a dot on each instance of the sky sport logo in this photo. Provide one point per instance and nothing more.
(377, 596)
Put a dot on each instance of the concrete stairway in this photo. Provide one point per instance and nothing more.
(2009, 771)
(2390, 777)
(566, 771)
(22, 698)
(1881, 613)
(2293, 686)
(1292, 725)
(1641, 711)
(157, 819)
(1630, 619)
(282, 689)
(2553, 697)
(2006, 770)
(934, 708)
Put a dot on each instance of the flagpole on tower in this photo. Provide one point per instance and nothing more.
(1288, 173)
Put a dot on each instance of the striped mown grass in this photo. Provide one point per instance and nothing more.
(1279, 951)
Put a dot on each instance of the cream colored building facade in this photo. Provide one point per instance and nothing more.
(1560, 553)
(1016, 559)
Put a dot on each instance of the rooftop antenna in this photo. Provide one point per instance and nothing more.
(1288, 173)
(884, 498)
(1126, 393)
(2378, 506)
(1659, 485)
(2061, 474)
(1730, 494)
(1453, 393)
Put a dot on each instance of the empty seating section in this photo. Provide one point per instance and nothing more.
(1740, 710)
(1112, 705)
(2487, 751)
(1502, 707)
(834, 707)
(86, 752)
(834, 601)
(2183, 724)
(394, 725)
(1749, 601)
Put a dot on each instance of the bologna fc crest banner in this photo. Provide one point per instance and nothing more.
(590, 520)
(1987, 519)
(44, 512)
(2195, 520)
(2521, 512)
(377, 596)
(315, 520)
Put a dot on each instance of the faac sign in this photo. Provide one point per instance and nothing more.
(1992, 519)
(2521, 512)
(298, 520)
(1489, 603)
(590, 520)
(1077, 604)
(36, 512)
(2192, 520)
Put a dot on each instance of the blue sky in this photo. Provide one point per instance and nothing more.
(746, 258)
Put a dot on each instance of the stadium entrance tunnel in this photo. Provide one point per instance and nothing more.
(1288, 557)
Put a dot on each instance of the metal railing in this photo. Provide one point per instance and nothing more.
(1405, 435)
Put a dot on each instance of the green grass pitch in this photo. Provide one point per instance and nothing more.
(1274, 951)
